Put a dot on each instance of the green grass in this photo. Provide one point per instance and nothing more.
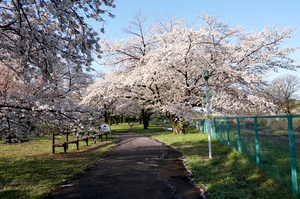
(121, 127)
(167, 124)
(228, 174)
(274, 147)
(137, 128)
(30, 170)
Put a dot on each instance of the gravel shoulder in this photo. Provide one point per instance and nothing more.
(137, 167)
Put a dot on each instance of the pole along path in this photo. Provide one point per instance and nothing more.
(137, 167)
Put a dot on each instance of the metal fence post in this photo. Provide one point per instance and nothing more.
(228, 138)
(220, 127)
(239, 135)
(215, 129)
(256, 142)
(268, 163)
(293, 156)
(212, 127)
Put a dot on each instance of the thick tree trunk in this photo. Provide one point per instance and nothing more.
(105, 114)
(105, 117)
(177, 125)
(145, 116)
(146, 122)
(144, 119)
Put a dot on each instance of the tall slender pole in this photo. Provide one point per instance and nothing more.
(206, 76)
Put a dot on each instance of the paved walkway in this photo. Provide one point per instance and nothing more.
(137, 167)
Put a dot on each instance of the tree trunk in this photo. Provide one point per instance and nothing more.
(177, 125)
(105, 114)
(145, 117)
(141, 119)
(146, 122)
(116, 119)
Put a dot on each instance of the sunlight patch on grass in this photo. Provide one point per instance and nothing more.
(139, 128)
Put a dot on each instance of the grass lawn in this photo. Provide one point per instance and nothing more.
(30, 170)
(118, 128)
(137, 127)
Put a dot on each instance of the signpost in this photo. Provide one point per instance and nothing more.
(105, 128)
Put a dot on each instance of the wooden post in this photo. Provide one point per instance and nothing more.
(67, 139)
(53, 142)
(77, 143)
(65, 147)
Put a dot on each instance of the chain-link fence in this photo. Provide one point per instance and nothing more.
(272, 142)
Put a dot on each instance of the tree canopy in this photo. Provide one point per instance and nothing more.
(162, 66)
(46, 48)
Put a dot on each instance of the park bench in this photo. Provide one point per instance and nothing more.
(94, 137)
(104, 130)
(65, 143)
(76, 141)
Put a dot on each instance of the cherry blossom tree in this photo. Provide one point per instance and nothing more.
(39, 35)
(27, 109)
(46, 48)
(117, 101)
(125, 56)
(169, 76)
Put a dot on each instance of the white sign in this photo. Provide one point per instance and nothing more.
(105, 128)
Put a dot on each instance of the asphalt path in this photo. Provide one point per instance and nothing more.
(137, 167)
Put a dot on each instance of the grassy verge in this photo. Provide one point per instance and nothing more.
(229, 174)
(30, 170)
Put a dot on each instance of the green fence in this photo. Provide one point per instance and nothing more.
(272, 142)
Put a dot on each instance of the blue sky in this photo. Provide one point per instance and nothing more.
(251, 14)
